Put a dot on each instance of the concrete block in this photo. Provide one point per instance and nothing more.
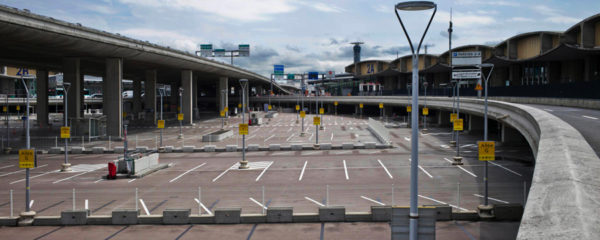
(381, 213)
(209, 148)
(508, 212)
(280, 214)
(176, 216)
(358, 217)
(125, 216)
(150, 219)
(77, 150)
(169, 149)
(253, 147)
(228, 215)
(231, 148)
(208, 219)
(325, 146)
(253, 218)
(55, 150)
(370, 145)
(465, 216)
(274, 147)
(7, 221)
(98, 150)
(74, 217)
(99, 220)
(347, 145)
(332, 214)
(142, 148)
(296, 147)
(118, 149)
(46, 221)
(305, 218)
(188, 149)
(443, 212)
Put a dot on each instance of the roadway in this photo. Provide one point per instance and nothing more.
(586, 121)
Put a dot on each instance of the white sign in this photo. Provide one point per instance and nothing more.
(466, 58)
(330, 74)
(472, 74)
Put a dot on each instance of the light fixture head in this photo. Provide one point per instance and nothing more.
(415, 5)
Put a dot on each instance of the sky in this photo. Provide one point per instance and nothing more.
(312, 35)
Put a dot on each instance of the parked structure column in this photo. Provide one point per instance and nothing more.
(195, 97)
(222, 100)
(186, 105)
(42, 98)
(72, 74)
(137, 97)
(150, 95)
(112, 99)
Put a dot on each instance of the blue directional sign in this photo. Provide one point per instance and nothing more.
(278, 69)
(313, 75)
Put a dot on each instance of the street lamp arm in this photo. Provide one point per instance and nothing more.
(424, 33)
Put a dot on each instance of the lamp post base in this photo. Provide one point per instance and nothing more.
(180, 136)
(302, 134)
(243, 165)
(486, 211)
(457, 160)
(26, 218)
(453, 143)
(65, 167)
(7, 150)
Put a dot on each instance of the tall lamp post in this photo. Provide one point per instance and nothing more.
(486, 206)
(244, 84)
(180, 112)
(28, 214)
(66, 167)
(161, 91)
(414, 211)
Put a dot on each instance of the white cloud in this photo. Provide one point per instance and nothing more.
(240, 10)
(493, 3)
(562, 20)
(327, 8)
(520, 19)
(163, 37)
(464, 19)
(554, 15)
(383, 8)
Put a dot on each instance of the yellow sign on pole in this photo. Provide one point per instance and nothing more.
(453, 116)
(425, 111)
(408, 108)
(321, 110)
(458, 124)
(380, 105)
(302, 114)
(4, 108)
(243, 129)
(335, 103)
(297, 107)
(317, 121)
(18, 108)
(161, 124)
(226, 109)
(478, 87)
(222, 113)
(65, 132)
(239, 105)
(26, 158)
(180, 116)
(360, 105)
(487, 150)
(124, 114)
(269, 107)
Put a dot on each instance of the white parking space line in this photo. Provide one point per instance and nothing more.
(440, 202)
(290, 137)
(263, 172)
(331, 139)
(314, 201)
(23, 170)
(302, 172)
(46, 173)
(375, 201)
(472, 174)
(311, 136)
(467, 145)
(345, 169)
(186, 172)
(31, 203)
(588, 117)
(223, 173)
(132, 180)
(342, 152)
(386, 170)
(203, 207)
(6, 167)
(548, 110)
(495, 199)
(99, 180)
(250, 137)
(289, 130)
(422, 169)
(76, 175)
(407, 139)
(258, 203)
(267, 139)
(144, 206)
(505, 168)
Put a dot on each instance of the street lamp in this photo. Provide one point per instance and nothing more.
(161, 91)
(425, 84)
(180, 112)
(66, 167)
(485, 206)
(244, 84)
(414, 211)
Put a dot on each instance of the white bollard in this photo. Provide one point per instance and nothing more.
(263, 200)
(11, 203)
(458, 195)
(136, 200)
(199, 201)
(327, 196)
(73, 199)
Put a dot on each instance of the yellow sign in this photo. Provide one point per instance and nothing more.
(65, 132)
(408, 108)
(335, 103)
(222, 113)
(4, 108)
(317, 121)
(478, 87)
(180, 116)
(458, 124)
(161, 124)
(226, 109)
(239, 105)
(26, 158)
(380, 105)
(453, 116)
(425, 111)
(178, 108)
(243, 129)
(297, 107)
(321, 110)
(18, 108)
(269, 107)
(360, 105)
(124, 114)
(487, 150)
(302, 114)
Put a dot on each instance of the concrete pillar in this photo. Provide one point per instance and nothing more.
(150, 95)
(73, 75)
(443, 118)
(42, 98)
(137, 97)
(112, 99)
(186, 105)
(475, 123)
(222, 97)
(509, 135)
(195, 97)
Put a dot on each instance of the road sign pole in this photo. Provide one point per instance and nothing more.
(457, 158)
(244, 84)
(161, 91)
(28, 214)
(485, 133)
(181, 111)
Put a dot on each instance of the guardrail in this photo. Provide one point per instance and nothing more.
(564, 193)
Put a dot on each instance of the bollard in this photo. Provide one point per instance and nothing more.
(73, 198)
(156, 143)
(199, 201)
(327, 196)
(263, 200)
(458, 195)
(55, 141)
(137, 208)
(108, 142)
(136, 141)
(11, 203)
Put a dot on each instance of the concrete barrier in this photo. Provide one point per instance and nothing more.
(188, 149)
(305, 218)
(280, 214)
(208, 219)
(228, 215)
(176, 216)
(253, 218)
(74, 217)
(381, 213)
(98, 150)
(209, 148)
(55, 150)
(125, 217)
(443, 212)
(296, 147)
(77, 150)
(358, 217)
(169, 149)
(47, 221)
(217, 136)
(253, 147)
(465, 216)
(145, 163)
(274, 147)
(231, 148)
(150, 219)
(332, 214)
(7, 221)
(118, 149)
(99, 220)
(370, 145)
(141, 148)
(379, 131)
(347, 145)
(508, 212)
(325, 146)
